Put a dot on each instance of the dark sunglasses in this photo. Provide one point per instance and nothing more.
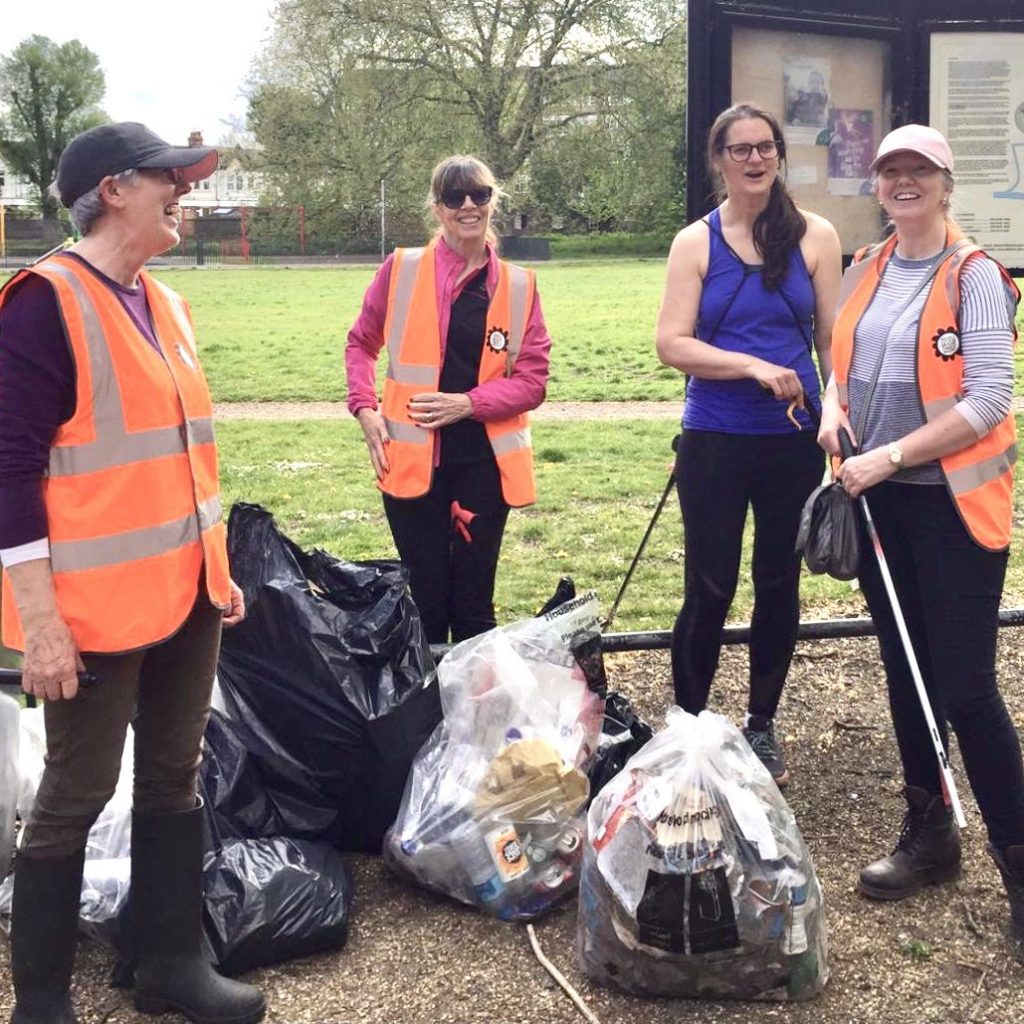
(455, 198)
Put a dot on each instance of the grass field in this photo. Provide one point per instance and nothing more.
(598, 486)
(277, 334)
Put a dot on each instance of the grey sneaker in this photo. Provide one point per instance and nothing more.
(760, 734)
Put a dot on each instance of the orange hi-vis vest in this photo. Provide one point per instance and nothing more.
(412, 334)
(131, 494)
(979, 477)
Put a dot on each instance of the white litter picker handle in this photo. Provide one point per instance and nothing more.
(948, 784)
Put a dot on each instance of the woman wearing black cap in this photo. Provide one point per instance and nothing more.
(115, 564)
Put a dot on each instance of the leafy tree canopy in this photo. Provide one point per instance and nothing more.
(352, 91)
(48, 94)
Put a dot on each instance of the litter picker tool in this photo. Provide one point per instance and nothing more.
(647, 536)
(846, 449)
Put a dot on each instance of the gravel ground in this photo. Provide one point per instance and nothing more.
(944, 955)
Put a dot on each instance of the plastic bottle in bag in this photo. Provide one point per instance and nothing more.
(474, 858)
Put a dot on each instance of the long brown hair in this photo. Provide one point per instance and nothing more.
(780, 225)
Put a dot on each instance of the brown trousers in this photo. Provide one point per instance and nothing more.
(164, 692)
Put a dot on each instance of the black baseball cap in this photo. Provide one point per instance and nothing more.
(112, 148)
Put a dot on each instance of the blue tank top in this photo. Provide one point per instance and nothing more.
(738, 314)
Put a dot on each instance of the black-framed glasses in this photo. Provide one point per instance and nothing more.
(455, 198)
(742, 151)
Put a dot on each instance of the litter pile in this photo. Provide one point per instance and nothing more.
(493, 813)
(696, 881)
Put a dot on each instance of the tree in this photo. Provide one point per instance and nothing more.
(624, 168)
(51, 93)
(351, 90)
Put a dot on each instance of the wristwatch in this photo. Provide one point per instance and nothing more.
(895, 455)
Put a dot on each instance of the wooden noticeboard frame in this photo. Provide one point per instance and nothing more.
(839, 75)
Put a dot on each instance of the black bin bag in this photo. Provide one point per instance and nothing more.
(623, 733)
(267, 897)
(269, 900)
(329, 685)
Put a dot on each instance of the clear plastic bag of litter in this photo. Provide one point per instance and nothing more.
(106, 875)
(9, 712)
(493, 812)
(696, 881)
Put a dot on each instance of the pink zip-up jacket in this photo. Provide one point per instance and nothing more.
(498, 399)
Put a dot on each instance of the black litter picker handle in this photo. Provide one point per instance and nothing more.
(846, 448)
(12, 677)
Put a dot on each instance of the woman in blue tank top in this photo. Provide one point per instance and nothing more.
(750, 291)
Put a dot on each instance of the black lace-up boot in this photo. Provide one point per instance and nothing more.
(1010, 862)
(927, 851)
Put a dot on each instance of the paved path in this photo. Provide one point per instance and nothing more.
(548, 411)
(552, 411)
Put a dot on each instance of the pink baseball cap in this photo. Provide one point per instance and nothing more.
(916, 138)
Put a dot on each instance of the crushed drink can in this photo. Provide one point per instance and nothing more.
(554, 877)
(569, 842)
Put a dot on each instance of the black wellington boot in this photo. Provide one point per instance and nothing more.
(1011, 866)
(927, 851)
(173, 975)
(44, 933)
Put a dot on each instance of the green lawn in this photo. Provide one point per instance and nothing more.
(277, 334)
(598, 485)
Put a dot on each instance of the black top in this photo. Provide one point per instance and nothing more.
(465, 441)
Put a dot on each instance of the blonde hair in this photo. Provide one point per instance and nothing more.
(462, 171)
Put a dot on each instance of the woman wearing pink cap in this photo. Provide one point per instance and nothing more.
(922, 354)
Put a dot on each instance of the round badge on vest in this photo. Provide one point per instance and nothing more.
(946, 343)
(497, 339)
(185, 356)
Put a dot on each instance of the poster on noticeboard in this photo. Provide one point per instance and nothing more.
(806, 82)
(976, 98)
(851, 146)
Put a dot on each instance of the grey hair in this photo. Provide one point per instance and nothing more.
(88, 208)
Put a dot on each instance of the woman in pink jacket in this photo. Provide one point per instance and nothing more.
(449, 441)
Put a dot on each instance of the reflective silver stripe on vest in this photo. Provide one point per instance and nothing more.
(98, 552)
(407, 270)
(114, 446)
(932, 410)
(200, 430)
(422, 375)
(518, 288)
(969, 477)
(513, 441)
(844, 394)
(407, 432)
(210, 512)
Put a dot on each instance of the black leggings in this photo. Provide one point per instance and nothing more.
(719, 475)
(949, 591)
(452, 570)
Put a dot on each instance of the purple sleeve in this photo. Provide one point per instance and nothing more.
(37, 395)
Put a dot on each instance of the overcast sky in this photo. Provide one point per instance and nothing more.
(175, 67)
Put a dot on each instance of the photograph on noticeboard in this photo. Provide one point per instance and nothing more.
(850, 149)
(806, 86)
